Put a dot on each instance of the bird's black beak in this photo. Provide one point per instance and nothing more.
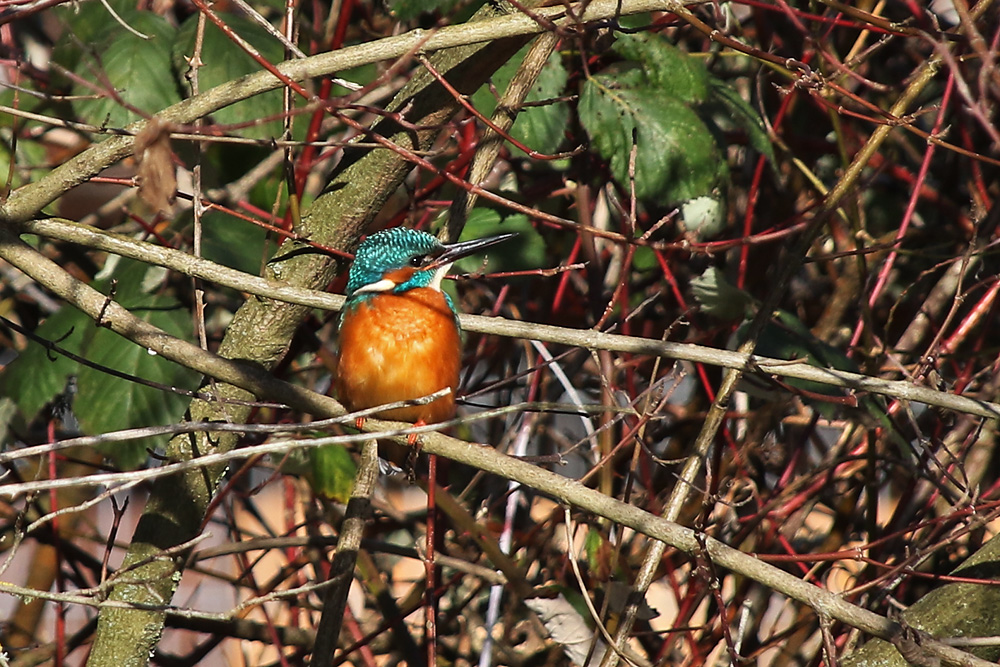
(456, 251)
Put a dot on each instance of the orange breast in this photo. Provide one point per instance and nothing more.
(396, 347)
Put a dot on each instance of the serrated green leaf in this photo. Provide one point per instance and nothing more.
(789, 338)
(785, 336)
(666, 103)
(705, 216)
(106, 403)
(676, 156)
(739, 112)
(668, 68)
(540, 128)
(225, 61)
(35, 377)
(137, 68)
(332, 472)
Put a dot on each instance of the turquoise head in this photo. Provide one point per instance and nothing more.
(399, 259)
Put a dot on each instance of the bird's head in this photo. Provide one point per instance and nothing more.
(399, 259)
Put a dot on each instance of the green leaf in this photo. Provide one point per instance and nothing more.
(8, 417)
(720, 298)
(405, 10)
(36, 377)
(596, 548)
(666, 103)
(104, 402)
(225, 61)
(676, 156)
(107, 403)
(524, 251)
(785, 336)
(540, 128)
(232, 242)
(133, 280)
(635, 21)
(739, 112)
(332, 472)
(32, 159)
(137, 68)
(85, 27)
(644, 260)
(667, 68)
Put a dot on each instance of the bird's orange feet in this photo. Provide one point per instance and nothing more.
(360, 423)
(412, 439)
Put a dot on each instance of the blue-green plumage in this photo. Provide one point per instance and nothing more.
(389, 250)
(396, 260)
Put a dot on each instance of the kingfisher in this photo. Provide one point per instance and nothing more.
(399, 337)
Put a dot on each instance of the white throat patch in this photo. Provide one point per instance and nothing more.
(384, 285)
(439, 275)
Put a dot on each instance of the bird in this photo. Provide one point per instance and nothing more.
(399, 338)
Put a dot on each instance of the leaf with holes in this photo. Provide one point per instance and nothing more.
(665, 105)
(666, 67)
(676, 156)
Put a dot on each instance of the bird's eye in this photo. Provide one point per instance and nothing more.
(418, 261)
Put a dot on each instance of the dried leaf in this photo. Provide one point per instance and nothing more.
(567, 627)
(157, 176)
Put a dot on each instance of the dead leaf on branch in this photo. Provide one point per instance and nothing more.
(157, 177)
